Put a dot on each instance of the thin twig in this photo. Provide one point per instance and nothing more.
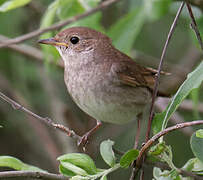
(142, 174)
(194, 25)
(155, 89)
(46, 120)
(46, 142)
(197, 3)
(51, 176)
(56, 26)
(32, 174)
(189, 174)
(160, 67)
(133, 174)
(162, 133)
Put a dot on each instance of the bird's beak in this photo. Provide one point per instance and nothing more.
(52, 41)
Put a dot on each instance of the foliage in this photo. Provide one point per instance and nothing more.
(193, 81)
(8, 5)
(125, 31)
(14, 163)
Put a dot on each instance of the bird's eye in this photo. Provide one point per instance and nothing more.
(74, 40)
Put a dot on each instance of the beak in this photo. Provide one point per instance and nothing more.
(52, 41)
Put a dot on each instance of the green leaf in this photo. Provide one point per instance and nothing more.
(49, 15)
(12, 4)
(199, 133)
(194, 79)
(68, 8)
(155, 9)
(195, 99)
(49, 52)
(66, 172)
(80, 160)
(75, 169)
(198, 165)
(103, 178)
(92, 3)
(189, 165)
(126, 30)
(159, 175)
(194, 165)
(92, 21)
(197, 146)
(128, 158)
(78, 178)
(157, 149)
(2, 1)
(14, 163)
(107, 152)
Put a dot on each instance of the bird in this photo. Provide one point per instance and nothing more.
(104, 82)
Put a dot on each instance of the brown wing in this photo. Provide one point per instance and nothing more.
(132, 74)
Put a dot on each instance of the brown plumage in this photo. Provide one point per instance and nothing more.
(104, 82)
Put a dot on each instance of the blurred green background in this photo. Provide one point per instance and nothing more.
(35, 79)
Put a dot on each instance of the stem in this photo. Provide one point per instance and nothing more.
(155, 89)
(32, 174)
(194, 25)
(171, 31)
(46, 120)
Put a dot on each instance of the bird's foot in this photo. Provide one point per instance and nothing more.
(84, 139)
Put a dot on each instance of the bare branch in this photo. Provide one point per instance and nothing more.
(197, 3)
(32, 174)
(57, 25)
(194, 25)
(173, 26)
(46, 120)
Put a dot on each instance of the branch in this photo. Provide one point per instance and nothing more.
(162, 133)
(157, 78)
(197, 3)
(155, 89)
(46, 120)
(56, 26)
(32, 174)
(194, 25)
(29, 51)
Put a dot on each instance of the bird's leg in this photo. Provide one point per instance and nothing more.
(138, 131)
(84, 139)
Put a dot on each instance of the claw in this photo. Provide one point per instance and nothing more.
(83, 140)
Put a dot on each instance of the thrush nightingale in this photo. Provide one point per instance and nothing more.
(104, 82)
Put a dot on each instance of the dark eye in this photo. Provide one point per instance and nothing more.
(74, 40)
